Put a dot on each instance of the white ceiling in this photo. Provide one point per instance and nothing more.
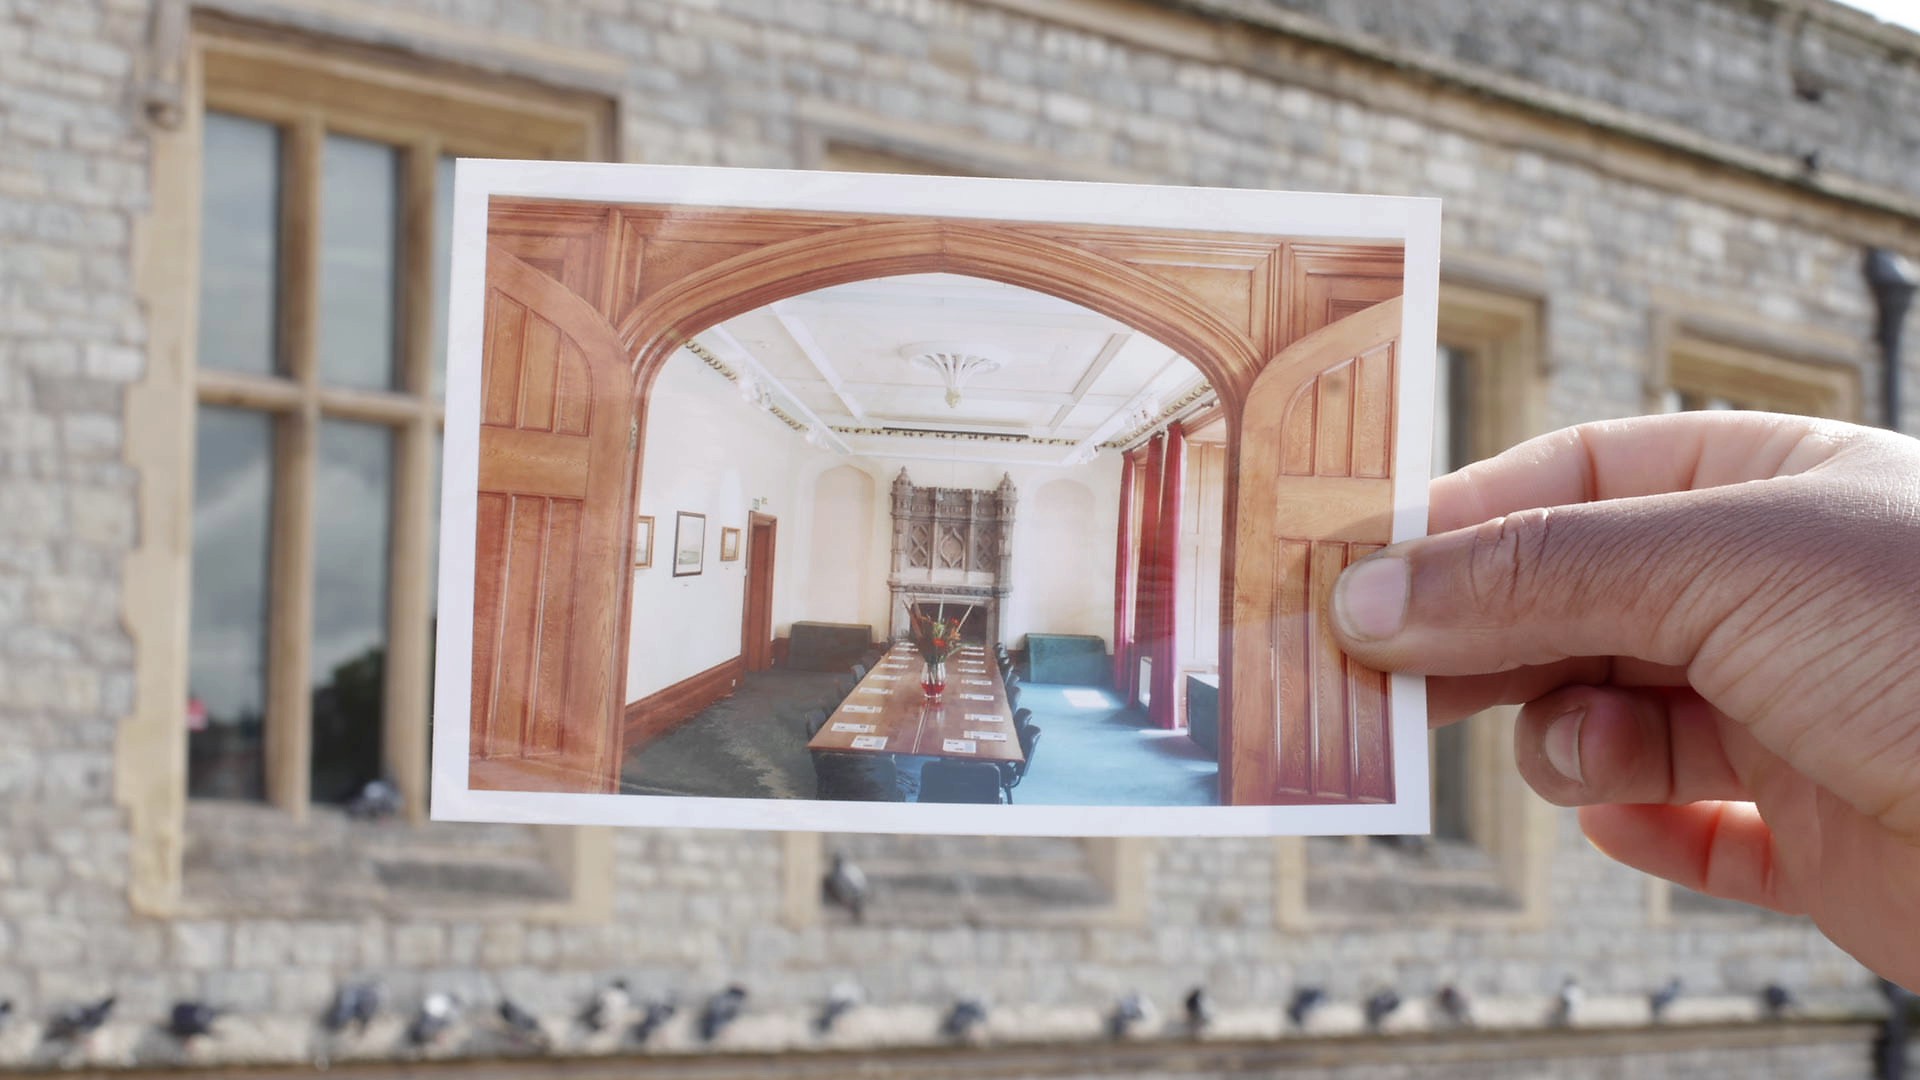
(840, 358)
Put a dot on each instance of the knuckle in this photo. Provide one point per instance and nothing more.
(1504, 558)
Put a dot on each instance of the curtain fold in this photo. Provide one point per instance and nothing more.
(1148, 571)
(1166, 601)
(1123, 574)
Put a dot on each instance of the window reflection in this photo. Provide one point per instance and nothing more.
(353, 500)
(239, 244)
(359, 241)
(227, 681)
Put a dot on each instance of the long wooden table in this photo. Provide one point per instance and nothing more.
(888, 714)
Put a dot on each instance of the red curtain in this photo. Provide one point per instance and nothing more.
(1166, 605)
(1123, 576)
(1144, 591)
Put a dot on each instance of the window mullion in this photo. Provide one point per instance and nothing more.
(290, 628)
(409, 618)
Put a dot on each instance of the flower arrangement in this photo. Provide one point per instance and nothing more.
(935, 636)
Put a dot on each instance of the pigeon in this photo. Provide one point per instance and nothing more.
(522, 1026)
(190, 1020)
(608, 1007)
(722, 1009)
(1199, 1009)
(846, 885)
(1380, 1006)
(378, 800)
(1128, 1013)
(1566, 1003)
(79, 1021)
(1455, 1006)
(437, 1014)
(1662, 999)
(965, 1018)
(1777, 1000)
(6, 1010)
(1305, 1000)
(653, 1017)
(842, 999)
(356, 1004)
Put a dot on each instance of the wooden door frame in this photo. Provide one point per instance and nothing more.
(1227, 302)
(756, 650)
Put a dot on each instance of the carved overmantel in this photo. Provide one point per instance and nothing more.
(954, 546)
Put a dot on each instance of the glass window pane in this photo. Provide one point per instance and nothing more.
(239, 244)
(227, 650)
(442, 265)
(359, 266)
(353, 501)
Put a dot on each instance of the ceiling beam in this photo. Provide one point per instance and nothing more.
(803, 338)
(1115, 342)
(743, 356)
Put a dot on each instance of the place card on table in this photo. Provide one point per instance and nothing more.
(886, 678)
(871, 690)
(977, 682)
(859, 708)
(988, 736)
(985, 718)
(869, 742)
(852, 729)
(976, 697)
(957, 746)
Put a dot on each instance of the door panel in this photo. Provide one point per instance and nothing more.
(1315, 493)
(549, 564)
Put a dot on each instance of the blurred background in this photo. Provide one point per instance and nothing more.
(222, 284)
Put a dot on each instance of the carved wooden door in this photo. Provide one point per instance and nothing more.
(550, 563)
(1315, 493)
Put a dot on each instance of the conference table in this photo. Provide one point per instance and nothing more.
(887, 713)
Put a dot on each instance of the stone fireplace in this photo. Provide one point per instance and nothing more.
(952, 546)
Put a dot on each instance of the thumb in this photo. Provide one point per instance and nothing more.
(1647, 577)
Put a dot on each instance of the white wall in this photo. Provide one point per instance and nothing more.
(708, 451)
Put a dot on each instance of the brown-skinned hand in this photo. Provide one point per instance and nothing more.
(1713, 620)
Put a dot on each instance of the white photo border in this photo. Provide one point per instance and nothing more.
(1413, 221)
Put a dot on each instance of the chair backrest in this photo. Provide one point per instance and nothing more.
(1029, 739)
(1022, 719)
(855, 777)
(959, 782)
(843, 686)
(1013, 695)
(859, 672)
(816, 719)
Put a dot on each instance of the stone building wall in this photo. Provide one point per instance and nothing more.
(1106, 91)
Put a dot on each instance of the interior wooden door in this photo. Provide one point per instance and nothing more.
(555, 435)
(756, 630)
(1315, 493)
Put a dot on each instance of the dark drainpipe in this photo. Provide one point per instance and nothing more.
(1890, 1049)
(1892, 280)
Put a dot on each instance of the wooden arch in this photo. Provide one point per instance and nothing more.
(1230, 303)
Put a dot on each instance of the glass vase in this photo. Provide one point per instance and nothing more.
(933, 679)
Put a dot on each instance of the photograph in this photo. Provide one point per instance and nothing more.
(642, 541)
(1045, 488)
(689, 543)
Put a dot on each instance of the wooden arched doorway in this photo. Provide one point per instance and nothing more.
(1230, 303)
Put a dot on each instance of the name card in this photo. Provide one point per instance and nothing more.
(988, 736)
(859, 708)
(985, 718)
(977, 682)
(871, 690)
(957, 746)
(885, 678)
(852, 728)
(869, 742)
(976, 697)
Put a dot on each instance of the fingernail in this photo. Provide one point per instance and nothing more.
(1562, 744)
(1370, 599)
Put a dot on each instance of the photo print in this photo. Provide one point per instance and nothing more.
(1028, 499)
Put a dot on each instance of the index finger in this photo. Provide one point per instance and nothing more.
(1617, 459)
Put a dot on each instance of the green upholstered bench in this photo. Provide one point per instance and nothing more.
(1203, 710)
(822, 646)
(1078, 659)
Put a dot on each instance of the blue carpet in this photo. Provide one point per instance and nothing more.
(1106, 755)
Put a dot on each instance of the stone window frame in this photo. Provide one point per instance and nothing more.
(1746, 362)
(1494, 317)
(308, 83)
(1119, 863)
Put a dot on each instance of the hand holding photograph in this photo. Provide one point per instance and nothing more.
(1017, 463)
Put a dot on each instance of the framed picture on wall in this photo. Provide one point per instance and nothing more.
(643, 541)
(689, 543)
(1098, 384)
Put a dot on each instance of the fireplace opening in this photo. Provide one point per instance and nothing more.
(973, 631)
